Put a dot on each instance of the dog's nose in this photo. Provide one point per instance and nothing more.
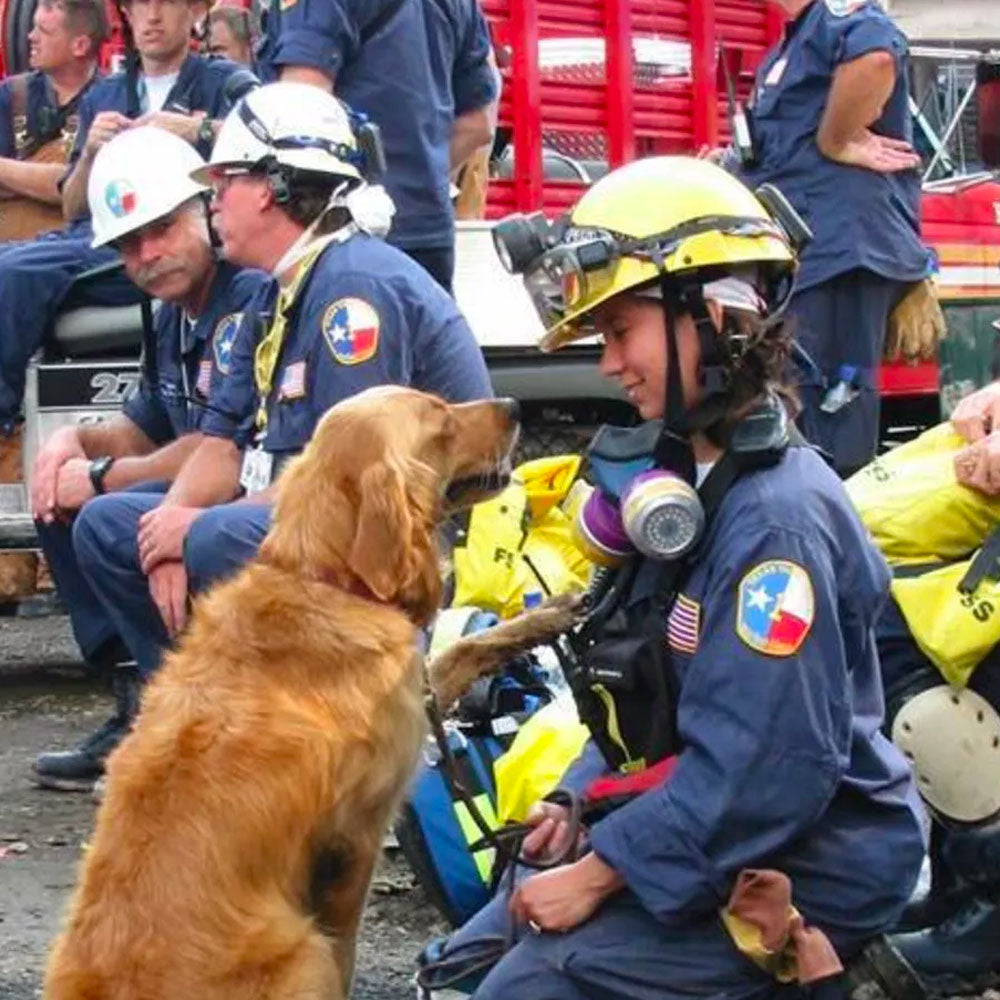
(512, 408)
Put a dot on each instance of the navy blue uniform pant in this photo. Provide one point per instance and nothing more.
(96, 566)
(842, 322)
(34, 279)
(438, 262)
(91, 625)
(623, 953)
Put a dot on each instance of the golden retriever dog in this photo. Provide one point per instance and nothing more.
(245, 812)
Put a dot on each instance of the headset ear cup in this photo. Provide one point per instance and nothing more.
(279, 184)
(213, 237)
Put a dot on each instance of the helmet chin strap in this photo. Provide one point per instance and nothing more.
(307, 240)
(674, 450)
(673, 447)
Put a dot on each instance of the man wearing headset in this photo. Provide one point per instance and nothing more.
(145, 205)
(346, 311)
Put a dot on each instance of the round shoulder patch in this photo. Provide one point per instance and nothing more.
(775, 608)
(350, 328)
(222, 340)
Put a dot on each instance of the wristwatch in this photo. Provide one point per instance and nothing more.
(98, 470)
(206, 132)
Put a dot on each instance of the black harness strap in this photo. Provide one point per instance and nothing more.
(985, 565)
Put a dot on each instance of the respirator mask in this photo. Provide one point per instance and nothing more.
(638, 506)
(635, 506)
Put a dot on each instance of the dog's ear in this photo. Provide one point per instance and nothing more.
(382, 551)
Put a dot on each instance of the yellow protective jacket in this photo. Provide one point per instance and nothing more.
(521, 541)
(930, 527)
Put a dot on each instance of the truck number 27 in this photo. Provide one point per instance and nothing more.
(112, 389)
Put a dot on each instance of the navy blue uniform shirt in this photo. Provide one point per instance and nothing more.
(860, 218)
(425, 63)
(42, 112)
(366, 315)
(199, 86)
(192, 358)
(779, 712)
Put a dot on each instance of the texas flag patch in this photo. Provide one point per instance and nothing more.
(120, 197)
(776, 607)
(350, 327)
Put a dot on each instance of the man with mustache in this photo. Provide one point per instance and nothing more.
(164, 85)
(146, 206)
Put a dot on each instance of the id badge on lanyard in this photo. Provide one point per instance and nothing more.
(256, 470)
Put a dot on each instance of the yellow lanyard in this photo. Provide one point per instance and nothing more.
(265, 358)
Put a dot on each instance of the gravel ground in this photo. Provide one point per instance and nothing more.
(45, 702)
(41, 832)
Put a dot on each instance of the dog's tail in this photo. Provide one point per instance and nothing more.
(486, 652)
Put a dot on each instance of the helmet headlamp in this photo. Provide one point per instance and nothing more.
(521, 239)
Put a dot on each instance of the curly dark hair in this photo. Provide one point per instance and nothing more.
(759, 361)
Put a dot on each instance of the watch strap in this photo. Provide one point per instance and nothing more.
(98, 470)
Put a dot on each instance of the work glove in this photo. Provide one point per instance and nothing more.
(916, 325)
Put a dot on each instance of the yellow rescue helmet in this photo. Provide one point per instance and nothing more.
(667, 215)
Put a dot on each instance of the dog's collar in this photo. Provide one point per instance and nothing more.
(352, 585)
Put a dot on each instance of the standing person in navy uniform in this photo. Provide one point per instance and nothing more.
(762, 676)
(42, 105)
(346, 312)
(157, 218)
(832, 130)
(168, 87)
(420, 69)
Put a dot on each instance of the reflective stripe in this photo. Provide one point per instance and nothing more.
(485, 856)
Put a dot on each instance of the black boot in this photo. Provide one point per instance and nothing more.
(76, 770)
(961, 955)
(948, 893)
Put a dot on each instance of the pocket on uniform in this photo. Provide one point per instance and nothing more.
(290, 425)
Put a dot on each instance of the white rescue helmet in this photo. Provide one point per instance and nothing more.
(292, 124)
(139, 176)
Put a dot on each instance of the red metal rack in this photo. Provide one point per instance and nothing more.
(617, 107)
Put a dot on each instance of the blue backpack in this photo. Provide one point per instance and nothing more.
(436, 829)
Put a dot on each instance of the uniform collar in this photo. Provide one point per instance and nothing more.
(202, 323)
(185, 72)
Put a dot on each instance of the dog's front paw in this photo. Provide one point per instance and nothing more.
(558, 614)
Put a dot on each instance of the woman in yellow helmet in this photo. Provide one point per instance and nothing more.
(742, 646)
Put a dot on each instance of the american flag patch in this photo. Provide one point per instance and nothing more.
(204, 384)
(293, 381)
(683, 623)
